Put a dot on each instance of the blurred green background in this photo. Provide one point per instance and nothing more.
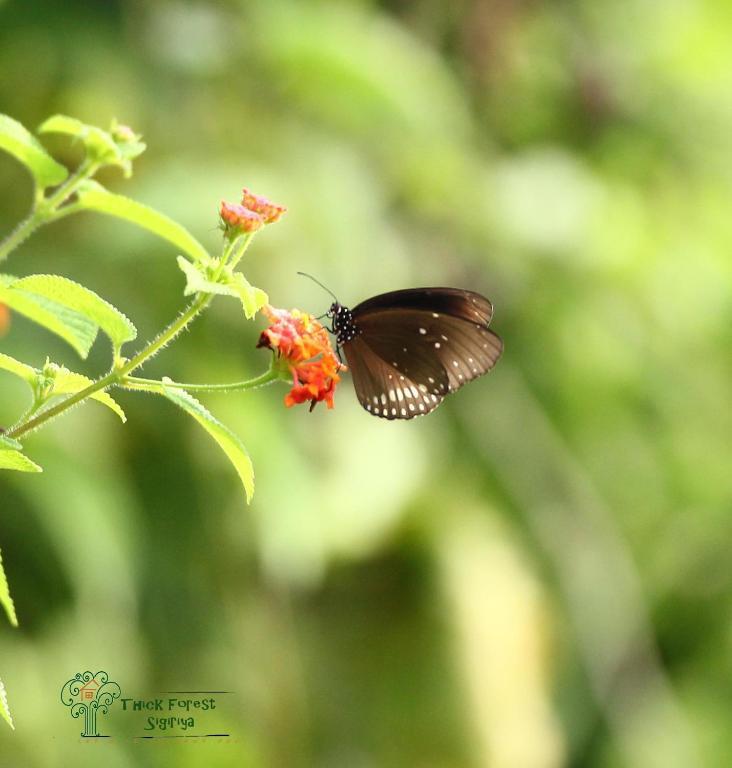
(536, 576)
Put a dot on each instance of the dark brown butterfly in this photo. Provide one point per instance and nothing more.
(407, 350)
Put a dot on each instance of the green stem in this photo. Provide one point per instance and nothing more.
(240, 249)
(115, 376)
(166, 336)
(21, 233)
(47, 209)
(153, 385)
(84, 171)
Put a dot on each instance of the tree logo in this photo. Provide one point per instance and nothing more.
(87, 694)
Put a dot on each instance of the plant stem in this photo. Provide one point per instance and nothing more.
(116, 375)
(46, 210)
(241, 246)
(166, 336)
(21, 233)
(84, 171)
(153, 385)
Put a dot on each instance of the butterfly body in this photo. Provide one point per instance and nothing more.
(407, 350)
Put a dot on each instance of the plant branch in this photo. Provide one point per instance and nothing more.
(46, 209)
(153, 385)
(117, 374)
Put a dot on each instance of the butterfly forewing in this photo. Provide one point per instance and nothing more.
(455, 302)
(415, 346)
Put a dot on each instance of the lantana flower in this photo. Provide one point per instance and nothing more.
(303, 348)
(238, 219)
(268, 210)
(251, 214)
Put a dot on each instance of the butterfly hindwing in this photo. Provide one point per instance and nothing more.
(382, 389)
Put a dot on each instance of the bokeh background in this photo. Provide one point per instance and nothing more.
(536, 576)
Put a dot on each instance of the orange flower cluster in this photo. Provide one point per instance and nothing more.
(268, 210)
(238, 219)
(304, 345)
(251, 214)
(4, 319)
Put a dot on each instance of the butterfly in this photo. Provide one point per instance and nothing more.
(407, 350)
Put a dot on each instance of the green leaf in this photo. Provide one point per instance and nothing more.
(66, 382)
(119, 146)
(17, 461)
(76, 297)
(252, 299)
(5, 600)
(227, 440)
(17, 141)
(95, 197)
(14, 366)
(232, 284)
(197, 280)
(4, 708)
(99, 144)
(67, 323)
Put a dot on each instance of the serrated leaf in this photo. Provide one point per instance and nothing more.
(67, 382)
(80, 299)
(70, 325)
(5, 600)
(8, 444)
(99, 144)
(197, 282)
(17, 461)
(4, 708)
(10, 364)
(235, 284)
(227, 440)
(17, 141)
(252, 299)
(95, 197)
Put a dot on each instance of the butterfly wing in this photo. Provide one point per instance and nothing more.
(386, 391)
(415, 346)
(455, 302)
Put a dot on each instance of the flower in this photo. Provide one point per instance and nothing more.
(314, 381)
(4, 319)
(238, 219)
(303, 346)
(268, 210)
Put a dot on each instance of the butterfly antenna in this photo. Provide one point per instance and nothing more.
(315, 280)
